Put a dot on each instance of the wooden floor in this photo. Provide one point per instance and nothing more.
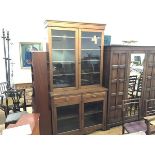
(112, 131)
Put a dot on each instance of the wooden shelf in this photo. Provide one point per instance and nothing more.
(90, 49)
(62, 74)
(67, 117)
(63, 49)
(92, 112)
(66, 37)
(90, 37)
(62, 61)
(91, 73)
(90, 60)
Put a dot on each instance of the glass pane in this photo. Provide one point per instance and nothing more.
(90, 58)
(63, 43)
(94, 119)
(68, 118)
(93, 113)
(64, 68)
(63, 55)
(63, 33)
(90, 67)
(62, 39)
(91, 40)
(136, 75)
(63, 58)
(63, 80)
(90, 79)
(90, 55)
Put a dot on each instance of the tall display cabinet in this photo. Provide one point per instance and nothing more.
(120, 62)
(77, 100)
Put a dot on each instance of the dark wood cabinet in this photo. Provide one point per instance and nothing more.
(40, 96)
(115, 79)
(120, 63)
(150, 75)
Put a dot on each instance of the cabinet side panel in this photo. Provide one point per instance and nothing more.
(40, 88)
(106, 67)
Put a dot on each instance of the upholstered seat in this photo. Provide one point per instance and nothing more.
(131, 122)
(14, 117)
(136, 126)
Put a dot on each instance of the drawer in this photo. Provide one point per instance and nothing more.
(93, 96)
(64, 100)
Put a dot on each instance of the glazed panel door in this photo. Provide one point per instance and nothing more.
(63, 57)
(90, 57)
(118, 87)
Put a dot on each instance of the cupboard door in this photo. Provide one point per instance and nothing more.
(67, 118)
(117, 85)
(90, 57)
(63, 57)
(93, 113)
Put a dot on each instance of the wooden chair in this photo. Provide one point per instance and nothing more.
(132, 86)
(3, 107)
(14, 102)
(139, 87)
(150, 116)
(131, 122)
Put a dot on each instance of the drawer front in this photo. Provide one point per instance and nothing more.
(65, 100)
(88, 97)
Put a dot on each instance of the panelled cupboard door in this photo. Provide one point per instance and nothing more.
(150, 77)
(117, 85)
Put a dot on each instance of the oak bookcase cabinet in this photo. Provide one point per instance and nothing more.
(77, 100)
(119, 63)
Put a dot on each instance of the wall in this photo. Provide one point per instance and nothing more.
(17, 35)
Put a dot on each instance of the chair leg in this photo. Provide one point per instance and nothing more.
(5, 113)
(123, 130)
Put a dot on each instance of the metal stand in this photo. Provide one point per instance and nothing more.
(7, 57)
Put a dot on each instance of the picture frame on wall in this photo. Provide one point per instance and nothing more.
(26, 49)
